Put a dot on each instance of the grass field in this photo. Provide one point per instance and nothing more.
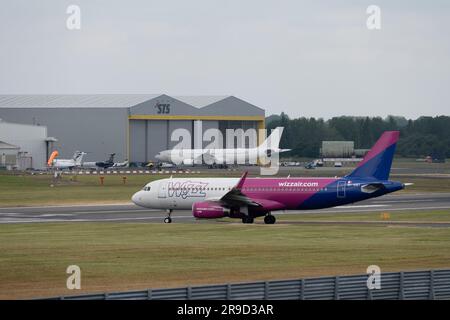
(25, 190)
(393, 216)
(127, 256)
(28, 190)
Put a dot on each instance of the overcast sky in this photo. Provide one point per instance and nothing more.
(306, 58)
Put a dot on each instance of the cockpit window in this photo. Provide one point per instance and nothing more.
(146, 188)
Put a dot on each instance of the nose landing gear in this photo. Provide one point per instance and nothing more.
(168, 219)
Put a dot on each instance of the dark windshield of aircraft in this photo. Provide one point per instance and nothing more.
(146, 188)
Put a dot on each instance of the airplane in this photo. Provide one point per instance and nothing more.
(76, 160)
(106, 164)
(120, 164)
(248, 198)
(102, 164)
(223, 156)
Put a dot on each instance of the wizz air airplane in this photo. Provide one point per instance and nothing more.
(248, 198)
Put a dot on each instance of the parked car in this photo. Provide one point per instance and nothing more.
(338, 164)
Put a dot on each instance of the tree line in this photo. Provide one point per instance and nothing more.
(418, 138)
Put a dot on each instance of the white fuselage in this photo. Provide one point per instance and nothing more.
(69, 163)
(182, 193)
(214, 156)
(64, 163)
(88, 165)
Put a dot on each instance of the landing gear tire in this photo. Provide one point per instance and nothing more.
(269, 219)
(168, 220)
(247, 219)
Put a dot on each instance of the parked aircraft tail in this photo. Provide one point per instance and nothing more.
(78, 157)
(273, 140)
(53, 155)
(377, 162)
(111, 158)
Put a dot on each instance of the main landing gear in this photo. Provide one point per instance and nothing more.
(248, 219)
(269, 219)
(168, 219)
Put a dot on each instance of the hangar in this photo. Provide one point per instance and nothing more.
(29, 144)
(135, 127)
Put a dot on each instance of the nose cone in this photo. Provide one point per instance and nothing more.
(137, 198)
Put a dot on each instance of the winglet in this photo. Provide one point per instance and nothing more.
(273, 140)
(241, 181)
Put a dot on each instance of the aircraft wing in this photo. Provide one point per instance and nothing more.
(235, 198)
(210, 157)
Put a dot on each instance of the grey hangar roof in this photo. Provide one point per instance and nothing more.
(99, 100)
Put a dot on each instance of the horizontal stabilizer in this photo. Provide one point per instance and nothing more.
(372, 187)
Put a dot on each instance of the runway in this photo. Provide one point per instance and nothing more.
(133, 213)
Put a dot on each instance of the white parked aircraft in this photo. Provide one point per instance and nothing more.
(76, 161)
(225, 156)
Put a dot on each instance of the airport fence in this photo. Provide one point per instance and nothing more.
(423, 285)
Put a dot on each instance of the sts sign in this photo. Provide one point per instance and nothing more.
(162, 108)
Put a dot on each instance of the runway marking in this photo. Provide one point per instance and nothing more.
(136, 218)
(16, 214)
(368, 223)
(73, 206)
(115, 211)
(56, 215)
(90, 220)
(368, 210)
(161, 215)
(362, 206)
(404, 201)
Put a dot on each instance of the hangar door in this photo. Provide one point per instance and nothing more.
(148, 137)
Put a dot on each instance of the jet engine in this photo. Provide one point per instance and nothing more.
(208, 210)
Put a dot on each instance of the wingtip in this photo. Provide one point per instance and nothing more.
(241, 180)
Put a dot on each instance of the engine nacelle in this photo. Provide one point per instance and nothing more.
(208, 210)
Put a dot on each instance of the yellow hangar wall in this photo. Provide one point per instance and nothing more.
(149, 134)
(151, 123)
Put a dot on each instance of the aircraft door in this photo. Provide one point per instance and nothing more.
(341, 189)
(162, 191)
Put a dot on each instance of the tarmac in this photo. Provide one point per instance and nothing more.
(129, 212)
